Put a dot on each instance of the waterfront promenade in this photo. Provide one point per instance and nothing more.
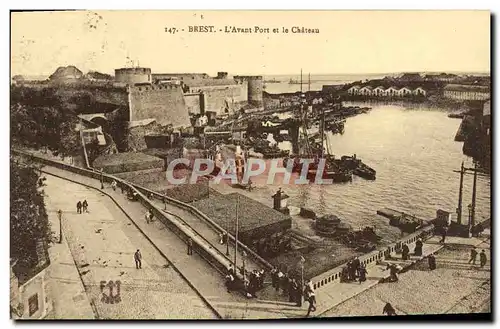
(209, 283)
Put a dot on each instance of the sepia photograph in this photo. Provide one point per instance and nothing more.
(250, 164)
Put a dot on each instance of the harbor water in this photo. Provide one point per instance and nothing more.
(412, 148)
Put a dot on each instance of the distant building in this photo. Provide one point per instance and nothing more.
(354, 90)
(392, 91)
(443, 77)
(29, 288)
(419, 91)
(410, 77)
(404, 92)
(366, 91)
(379, 91)
(467, 92)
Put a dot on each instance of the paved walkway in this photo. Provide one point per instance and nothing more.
(454, 287)
(66, 288)
(210, 284)
(103, 243)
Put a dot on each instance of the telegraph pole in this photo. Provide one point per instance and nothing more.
(460, 191)
(473, 210)
(236, 233)
(59, 214)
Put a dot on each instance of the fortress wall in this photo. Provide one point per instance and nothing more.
(215, 97)
(193, 103)
(165, 103)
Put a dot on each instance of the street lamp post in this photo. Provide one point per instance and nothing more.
(59, 214)
(102, 180)
(244, 256)
(302, 261)
(470, 218)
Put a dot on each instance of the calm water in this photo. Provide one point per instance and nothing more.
(414, 154)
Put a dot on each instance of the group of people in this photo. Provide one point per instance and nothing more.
(288, 285)
(353, 271)
(405, 249)
(482, 257)
(82, 207)
(223, 238)
(253, 282)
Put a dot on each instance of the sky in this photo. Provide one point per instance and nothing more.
(348, 42)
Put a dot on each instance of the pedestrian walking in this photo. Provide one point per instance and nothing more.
(444, 231)
(274, 277)
(432, 262)
(473, 256)
(362, 274)
(389, 310)
(85, 206)
(113, 185)
(405, 252)
(79, 207)
(138, 259)
(310, 297)
(230, 282)
(146, 216)
(122, 187)
(356, 266)
(221, 238)
(482, 258)
(151, 215)
(279, 276)
(418, 247)
(190, 246)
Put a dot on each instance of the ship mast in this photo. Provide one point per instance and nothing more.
(301, 81)
(309, 82)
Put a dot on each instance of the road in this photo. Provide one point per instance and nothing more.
(103, 243)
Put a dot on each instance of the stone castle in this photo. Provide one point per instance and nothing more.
(137, 102)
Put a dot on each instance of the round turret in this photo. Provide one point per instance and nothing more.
(133, 75)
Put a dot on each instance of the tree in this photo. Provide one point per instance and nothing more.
(28, 216)
(39, 119)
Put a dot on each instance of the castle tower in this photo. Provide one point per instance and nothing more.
(133, 75)
(255, 88)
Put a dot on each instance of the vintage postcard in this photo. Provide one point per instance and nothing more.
(250, 164)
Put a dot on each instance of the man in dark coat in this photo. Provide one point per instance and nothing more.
(405, 252)
(473, 256)
(79, 207)
(389, 310)
(85, 206)
(482, 258)
(432, 262)
(138, 258)
(356, 266)
(418, 247)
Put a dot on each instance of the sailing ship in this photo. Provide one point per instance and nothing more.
(313, 149)
(273, 80)
(294, 82)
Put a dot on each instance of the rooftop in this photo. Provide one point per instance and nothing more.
(252, 214)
